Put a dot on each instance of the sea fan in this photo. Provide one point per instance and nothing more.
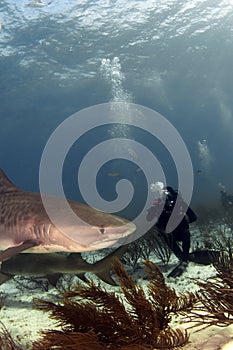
(6, 340)
(216, 302)
(93, 318)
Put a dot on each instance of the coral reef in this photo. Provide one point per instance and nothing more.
(93, 318)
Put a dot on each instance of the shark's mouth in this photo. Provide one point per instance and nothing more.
(106, 242)
(103, 242)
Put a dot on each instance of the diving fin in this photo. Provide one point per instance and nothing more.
(178, 270)
(204, 256)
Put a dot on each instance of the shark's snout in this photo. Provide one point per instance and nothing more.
(128, 228)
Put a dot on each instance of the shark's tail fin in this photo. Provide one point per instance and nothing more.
(103, 267)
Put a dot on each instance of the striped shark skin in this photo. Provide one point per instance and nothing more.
(25, 225)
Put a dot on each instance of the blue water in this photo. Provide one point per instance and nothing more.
(58, 57)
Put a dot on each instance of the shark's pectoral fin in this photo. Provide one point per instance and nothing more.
(5, 277)
(53, 278)
(82, 277)
(9, 252)
(103, 267)
(106, 277)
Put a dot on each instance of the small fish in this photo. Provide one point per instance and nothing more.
(114, 174)
(53, 265)
(199, 172)
(138, 170)
(25, 225)
(36, 3)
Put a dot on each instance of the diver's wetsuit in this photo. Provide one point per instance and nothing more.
(181, 232)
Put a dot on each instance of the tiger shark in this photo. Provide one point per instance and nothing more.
(25, 225)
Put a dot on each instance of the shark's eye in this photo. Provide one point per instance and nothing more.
(102, 230)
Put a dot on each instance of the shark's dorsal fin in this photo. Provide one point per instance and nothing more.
(5, 184)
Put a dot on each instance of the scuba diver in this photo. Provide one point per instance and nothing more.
(166, 202)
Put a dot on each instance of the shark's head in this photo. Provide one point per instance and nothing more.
(56, 223)
(86, 226)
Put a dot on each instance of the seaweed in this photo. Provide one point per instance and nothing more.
(151, 242)
(220, 241)
(215, 295)
(135, 251)
(160, 247)
(91, 317)
(6, 340)
(215, 306)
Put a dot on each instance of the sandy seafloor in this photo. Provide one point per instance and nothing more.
(25, 322)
